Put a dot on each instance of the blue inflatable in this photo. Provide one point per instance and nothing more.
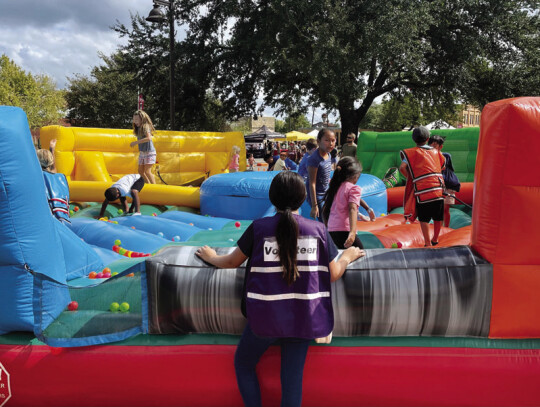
(33, 242)
(246, 193)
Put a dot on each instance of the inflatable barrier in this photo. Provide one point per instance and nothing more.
(89, 155)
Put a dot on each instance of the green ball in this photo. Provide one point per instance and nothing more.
(114, 307)
(124, 307)
(394, 246)
(118, 242)
(114, 273)
(120, 211)
(71, 212)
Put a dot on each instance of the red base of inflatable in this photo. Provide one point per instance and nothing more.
(203, 375)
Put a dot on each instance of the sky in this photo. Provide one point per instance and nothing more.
(63, 38)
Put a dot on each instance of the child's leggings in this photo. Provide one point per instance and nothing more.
(293, 356)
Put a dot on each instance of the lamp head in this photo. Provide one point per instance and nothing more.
(156, 15)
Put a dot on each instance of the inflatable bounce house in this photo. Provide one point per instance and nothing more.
(92, 159)
(119, 311)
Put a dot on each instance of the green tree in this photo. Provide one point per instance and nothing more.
(292, 122)
(344, 54)
(146, 57)
(398, 113)
(35, 94)
(105, 98)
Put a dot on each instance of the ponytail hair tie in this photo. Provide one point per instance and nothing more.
(288, 208)
(338, 168)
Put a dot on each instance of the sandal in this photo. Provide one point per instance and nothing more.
(434, 243)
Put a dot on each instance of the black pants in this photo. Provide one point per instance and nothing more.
(340, 237)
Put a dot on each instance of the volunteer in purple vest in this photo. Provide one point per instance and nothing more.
(292, 261)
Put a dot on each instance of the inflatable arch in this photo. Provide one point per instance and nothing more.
(93, 158)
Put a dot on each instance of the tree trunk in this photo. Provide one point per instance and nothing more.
(350, 121)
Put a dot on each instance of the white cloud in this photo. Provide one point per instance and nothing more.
(61, 38)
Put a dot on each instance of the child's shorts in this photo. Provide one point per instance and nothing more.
(430, 210)
(147, 157)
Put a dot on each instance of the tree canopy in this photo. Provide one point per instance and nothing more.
(342, 54)
(35, 94)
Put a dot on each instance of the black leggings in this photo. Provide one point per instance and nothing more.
(340, 237)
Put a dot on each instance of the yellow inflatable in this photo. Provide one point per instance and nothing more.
(92, 159)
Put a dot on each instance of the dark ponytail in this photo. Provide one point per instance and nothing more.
(287, 193)
(346, 168)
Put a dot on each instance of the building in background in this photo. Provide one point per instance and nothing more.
(470, 117)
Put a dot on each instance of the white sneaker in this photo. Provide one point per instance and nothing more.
(137, 214)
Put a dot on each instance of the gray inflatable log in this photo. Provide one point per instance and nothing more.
(389, 292)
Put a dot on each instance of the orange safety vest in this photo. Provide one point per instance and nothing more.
(425, 166)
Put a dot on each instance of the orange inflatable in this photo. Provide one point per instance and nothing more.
(506, 223)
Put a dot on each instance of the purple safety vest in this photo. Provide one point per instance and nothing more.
(302, 309)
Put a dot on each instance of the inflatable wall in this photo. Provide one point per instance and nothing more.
(506, 222)
(378, 152)
(32, 241)
(93, 158)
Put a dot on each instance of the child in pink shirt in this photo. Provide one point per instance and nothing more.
(234, 159)
(340, 211)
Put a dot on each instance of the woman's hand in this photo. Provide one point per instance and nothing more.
(206, 253)
(350, 240)
(52, 144)
(314, 211)
(371, 214)
(133, 144)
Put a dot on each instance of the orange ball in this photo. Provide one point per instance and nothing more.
(130, 275)
(106, 270)
(92, 274)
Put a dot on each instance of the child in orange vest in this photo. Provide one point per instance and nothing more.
(422, 165)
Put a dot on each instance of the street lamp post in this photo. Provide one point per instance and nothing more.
(156, 16)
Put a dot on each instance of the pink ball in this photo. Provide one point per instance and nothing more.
(237, 224)
(99, 275)
(107, 275)
(399, 245)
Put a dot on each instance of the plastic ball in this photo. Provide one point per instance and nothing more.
(106, 270)
(130, 275)
(114, 307)
(71, 212)
(382, 214)
(99, 275)
(114, 273)
(237, 224)
(191, 224)
(394, 246)
(92, 275)
(399, 245)
(73, 306)
(103, 219)
(118, 242)
(133, 227)
(106, 275)
(124, 307)
(76, 209)
(154, 214)
(176, 238)
(160, 234)
(120, 211)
